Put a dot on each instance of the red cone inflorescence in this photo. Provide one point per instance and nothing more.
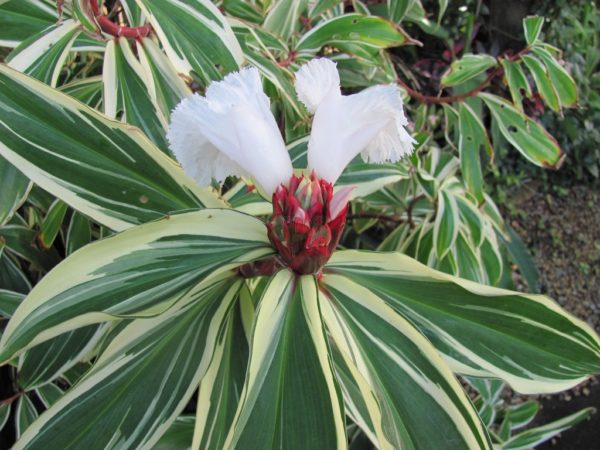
(307, 222)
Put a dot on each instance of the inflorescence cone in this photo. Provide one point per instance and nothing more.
(307, 222)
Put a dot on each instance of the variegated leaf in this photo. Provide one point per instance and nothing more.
(140, 272)
(195, 35)
(107, 170)
(526, 340)
(42, 56)
(166, 86)
(47, 361)
(21, 19)
(413, 399)
(290, 397)
(126, 94)
(220, 389)
(152, 367)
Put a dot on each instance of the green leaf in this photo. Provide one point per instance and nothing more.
(472, 137)
(49, 394)
(542, 81)
(471, 216)
(526, 135)
(522, 258)
(284, 17)
(22, 241)
(11, 276)
(535, 436)
(42, 56)
(468, 264)
(127, 97)
(79, 233)
(108, 171)
(563, 82)
(522, 414)
(178, 436)
(52, 223)
(220, 388)
(466, 68)
(195, 36)
(243, 10)
(492, 260)
(397, 9)
(532, 26)
(134, 14)
(353, 29)
(47, 361)
(413, 399)
(139, 272)
(290, 397)
(446, 223)
(526, 340)
(25, 414)
(86, 90)
(9, 301)
(517, 82)
(14, 187)
(21, 19)
(140, 383)
(166, 86)
(321, 6)
(4, 414)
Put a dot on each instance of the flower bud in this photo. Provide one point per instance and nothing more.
(307, 222)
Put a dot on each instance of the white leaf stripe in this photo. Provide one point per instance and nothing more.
(165, 356)
(527, 340)
(289, 377)
(164, 83)
(128, 82)
(42, 56)
(109, 171)
(47, 361)
(195, 35)
(139, 272)
(403, 370)
(221, 387)
(531, 438)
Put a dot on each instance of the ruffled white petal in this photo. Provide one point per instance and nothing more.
(231, 131)
(371, 123)
(316, 80)
(198, 157)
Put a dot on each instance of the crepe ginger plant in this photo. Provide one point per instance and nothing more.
(233, 128)
(285, 339)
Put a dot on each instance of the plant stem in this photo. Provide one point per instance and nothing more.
(456, 98)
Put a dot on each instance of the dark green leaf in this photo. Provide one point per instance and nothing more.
(466, 68)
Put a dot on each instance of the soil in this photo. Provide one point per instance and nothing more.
(561, 227)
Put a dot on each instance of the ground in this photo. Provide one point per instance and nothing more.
(561, 227)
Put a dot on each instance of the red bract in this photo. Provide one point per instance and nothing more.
(307, 222)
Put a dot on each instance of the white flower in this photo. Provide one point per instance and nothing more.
(230, 131)
(370, 123)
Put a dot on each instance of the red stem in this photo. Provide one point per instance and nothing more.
(289, 60)
(11, 398)
(455, 98)
(116, 30)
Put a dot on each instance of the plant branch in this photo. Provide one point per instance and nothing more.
(456, 98)
(11, 399)
(114, 29)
